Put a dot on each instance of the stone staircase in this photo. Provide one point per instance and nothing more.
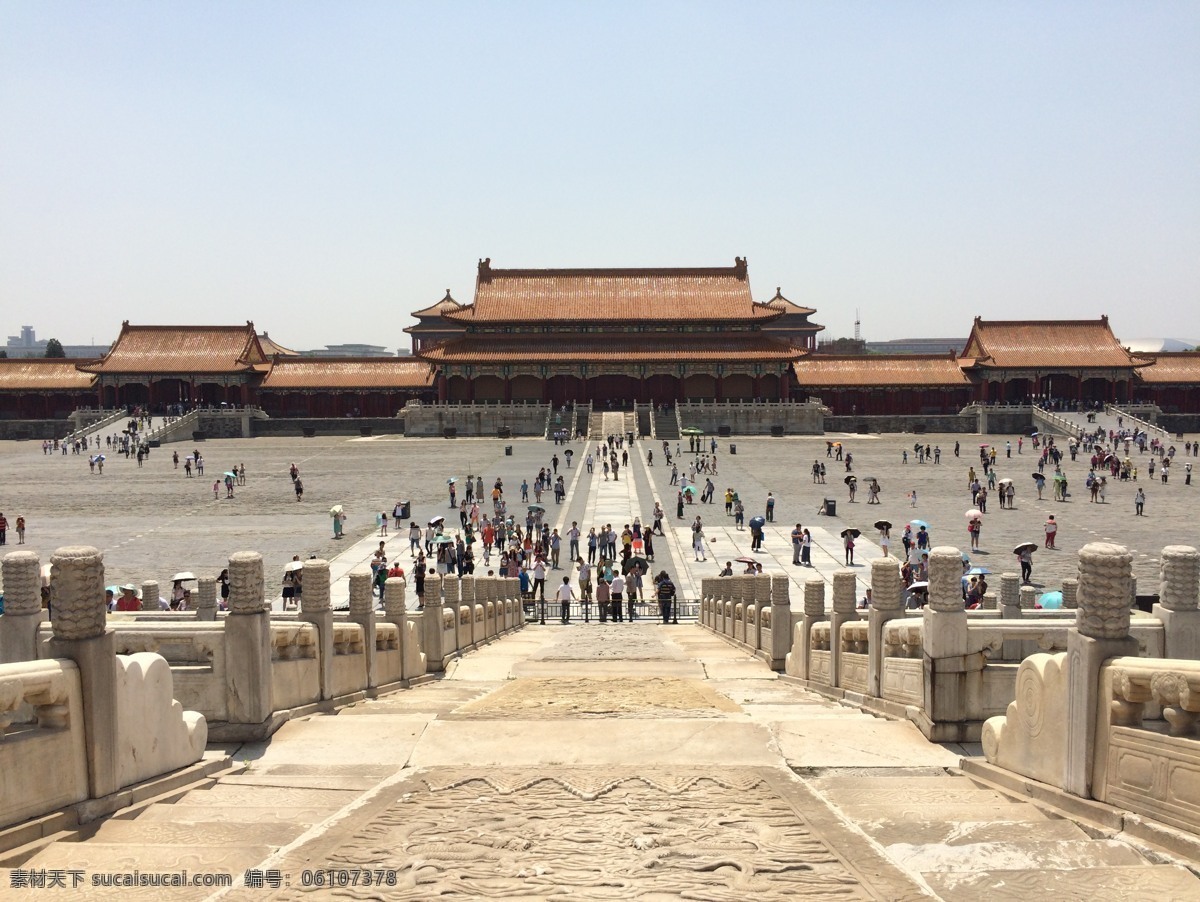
(595, 425)
(666, 426)
(968, 841)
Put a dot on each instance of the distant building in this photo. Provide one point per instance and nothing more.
(27, 344)
(916, 346)
(349, 350)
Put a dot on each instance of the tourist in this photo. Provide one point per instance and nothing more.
(603, 597)
(539, 577)
(585, 580)
(739, 514)
(885, 540)
(1025, 557)
(806, 550)
(223, 582)
(665, 589)
(698, 540)
(217, 489)
(299, 487)
(797, 544)
(616, 588)
(848, 542)
(3, 530)
(1051, 531)
(770, 508)
(1139, 502)
(20, 530)
(383, 523)
(565, 596)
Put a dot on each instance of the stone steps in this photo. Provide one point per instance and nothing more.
(967, 841)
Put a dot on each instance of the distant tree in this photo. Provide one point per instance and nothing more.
(54, 348)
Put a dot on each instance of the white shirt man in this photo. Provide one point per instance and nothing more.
(565, 596)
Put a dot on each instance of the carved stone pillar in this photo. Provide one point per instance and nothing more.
(781, 622)
(362, 612)
(944, 640)
(1010, 595)
(845, 590)
(887, 593)
(206, 598)
(150, 595)
(814, 612)
(1029, 597)
(22, 607)
(315, 609)
(431, 626)
(1101, 632)
(989, 601)
(1179, 600)
(79, 633)
(247, 642)
(1070, 592)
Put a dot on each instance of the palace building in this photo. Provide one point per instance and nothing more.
(606, 337)
(614, 336)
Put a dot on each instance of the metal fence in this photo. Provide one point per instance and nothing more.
(686, 609)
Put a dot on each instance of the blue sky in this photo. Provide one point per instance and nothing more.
(324, 169)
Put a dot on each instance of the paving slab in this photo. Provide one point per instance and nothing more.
(905, 834)
(555, 743)
(862, 742)
(1118, 884)
(1015, 855)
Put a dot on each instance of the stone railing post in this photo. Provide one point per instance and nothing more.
(431, 625)
(887, 593)
(248, 675)
(22, 607)
(781, 621)
(1101, 632)
(1070, 590)
(1178, 601)
(452, 593)
(762, 600)
(814, 612)
(79, 633)
(1029, 597)
(150, 595)
(705, 596)
(944, 639)
(362, 612)
(206, 598)
(989, 601)
(845, 588)
(315, 609)
(1010, 595)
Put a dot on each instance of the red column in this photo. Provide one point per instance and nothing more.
(785, 386)
(507, 390)
(441, 388)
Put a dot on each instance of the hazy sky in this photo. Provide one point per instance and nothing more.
(326, 168)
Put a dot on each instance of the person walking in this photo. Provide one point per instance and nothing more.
(1139, 503)
(1025, 557)
(3, 530)
(20, 530)
(770, 508)
(698, 540)
(616, 589)
(566, 595)
(299, 486)
(849, 545)
(1051, 531)
(666, 595)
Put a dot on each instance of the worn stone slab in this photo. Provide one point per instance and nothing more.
(965, 833)
(209, 833)
(310, 781)
(903, 809)
(1120, 884)
(604, 742)
(863, 743)
(183, 813)
(268, 796)
(684, 670)
(385, 738)
(1015, 855)
(917, 794)
(605, 833)
(629, 697)
(105, 857)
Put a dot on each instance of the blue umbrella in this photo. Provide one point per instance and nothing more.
(918, 523)
(1051, 601)
(758, 521)
(978, 571)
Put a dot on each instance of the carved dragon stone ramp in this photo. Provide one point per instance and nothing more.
(609, 768)
(602, 833)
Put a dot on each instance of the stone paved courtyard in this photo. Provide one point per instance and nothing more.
(152, 521)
